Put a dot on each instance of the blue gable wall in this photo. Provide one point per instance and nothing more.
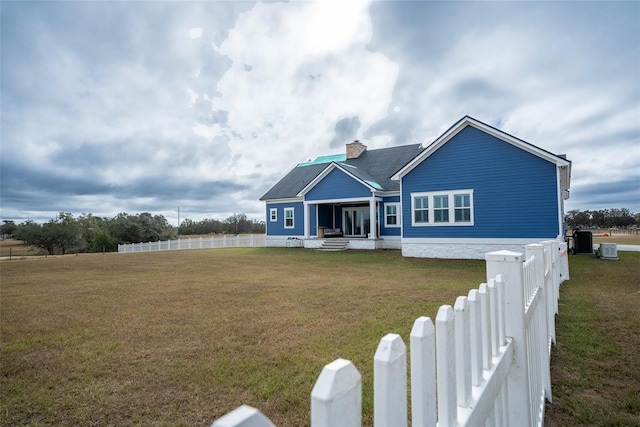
(515, 192)
(338, 185)
(277, 228)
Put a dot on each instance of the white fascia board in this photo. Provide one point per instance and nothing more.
(388, 193)
(343, 201)
(560, 202)
(288, 200)
(325, 172)
(468, 121)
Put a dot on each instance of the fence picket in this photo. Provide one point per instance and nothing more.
(243, 416)
(463, 350)
(493, 316)
(485, 324)
(336, 398)
(475, 336)
(423, 373)
(390, 382)
(500, 290)
(446, 367)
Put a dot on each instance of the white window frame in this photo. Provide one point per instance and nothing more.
(293, 216)
(451, 208)
(397, 215)
(413, 209)
(444, 209)
(273, 214)
(456, 208)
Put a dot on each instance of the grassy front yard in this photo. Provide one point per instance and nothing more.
(183, 337)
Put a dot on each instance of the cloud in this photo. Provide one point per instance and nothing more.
(93, 109)
(195, 33)
(346, 131)
(297, 70)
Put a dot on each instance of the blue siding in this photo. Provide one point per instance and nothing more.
(391, 231)
(338, 185)
(325, 216)
(515, 192)
(313, 230)
(277, 228)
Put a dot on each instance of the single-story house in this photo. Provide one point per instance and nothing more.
(473, 190)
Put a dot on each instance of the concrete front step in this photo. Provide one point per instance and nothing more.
(334, 245)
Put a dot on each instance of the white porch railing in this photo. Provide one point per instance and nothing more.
(484, 362)
(239, 241)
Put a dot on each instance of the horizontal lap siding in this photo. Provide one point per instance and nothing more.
(338, 185)
(277, 228)
(391, 231)
(515, 192)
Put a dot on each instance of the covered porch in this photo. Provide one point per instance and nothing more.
(353, 219)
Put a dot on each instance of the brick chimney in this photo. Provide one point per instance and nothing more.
(354, 149)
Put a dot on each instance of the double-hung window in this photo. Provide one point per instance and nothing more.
(288, 218)
(441, 208)
(273, 214)
(446, 208)
(392, 215)
(420, 209)
(462, 205)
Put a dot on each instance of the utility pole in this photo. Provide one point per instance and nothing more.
(178, 221)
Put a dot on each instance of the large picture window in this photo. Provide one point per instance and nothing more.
(288, 218)
(453, 207)
(392, 215)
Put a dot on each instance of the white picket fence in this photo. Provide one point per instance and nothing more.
(485, 362)
(239, 241)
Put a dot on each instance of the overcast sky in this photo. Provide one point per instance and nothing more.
(147, 106)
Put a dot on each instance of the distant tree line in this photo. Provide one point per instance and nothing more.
(604, 218)
(88, 233)
(235, 224)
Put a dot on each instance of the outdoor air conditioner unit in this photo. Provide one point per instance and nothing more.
(609, 251)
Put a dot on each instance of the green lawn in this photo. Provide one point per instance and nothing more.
(181, 338)
(595, 367)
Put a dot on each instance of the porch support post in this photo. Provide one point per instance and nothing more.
(306, 219)
(373, 228)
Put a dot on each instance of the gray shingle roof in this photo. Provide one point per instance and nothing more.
(377, 166)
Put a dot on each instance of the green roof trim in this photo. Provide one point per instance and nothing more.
(325, 159)
(374, 184)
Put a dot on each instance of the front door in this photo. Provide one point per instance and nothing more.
(356, 221)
